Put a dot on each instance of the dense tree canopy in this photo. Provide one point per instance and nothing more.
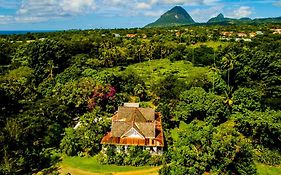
(227, 92)
(202, 148)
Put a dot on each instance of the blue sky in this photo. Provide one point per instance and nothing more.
(87, 14)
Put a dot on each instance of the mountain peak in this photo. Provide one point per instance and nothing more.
(177, 9)
(177, 16)
(220, 16)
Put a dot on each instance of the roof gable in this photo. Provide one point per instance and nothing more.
(133, 133)
(142, 120)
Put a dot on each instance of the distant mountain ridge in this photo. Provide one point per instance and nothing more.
(219, 18)
(178, 16)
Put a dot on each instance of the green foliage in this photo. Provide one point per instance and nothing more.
(25, 138)
(196, 103)
(46, 57)
(155, 160)
(16, 89)
(185, 73)
(19, 83)
(70, 142)
(134, 156)
(267, 156)
(247, 99)
(202, 148)
(203, 55)
(5, 53)
(75, 92)
(170, 87)
(268, 170)
(85, 140)
(254, 67)
(262, 127)
(154, 71)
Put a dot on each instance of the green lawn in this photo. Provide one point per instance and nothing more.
(92, 165)
(268, 170)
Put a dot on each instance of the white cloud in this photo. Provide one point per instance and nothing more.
(154, 13)
(203, 15)
(4, 19)
(191, 2)
(56, 7)
(43, 10)
(39, 8)
(29, 19)
(143, 5)
(111, 3)
(78, 6)
(278, 3)
(146, 5)
(243, 11)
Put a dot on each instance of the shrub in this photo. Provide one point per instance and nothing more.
(196, 103)
(134, 156)
(262, 127)
(267, 156)
(246, 99)
(155, 160)
(69, 144)
(203, 148)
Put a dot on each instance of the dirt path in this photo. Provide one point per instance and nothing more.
(75, 171)
(150, 171)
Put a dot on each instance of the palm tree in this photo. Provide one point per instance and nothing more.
(228, 63)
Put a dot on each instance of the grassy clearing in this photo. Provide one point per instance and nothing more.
(153, 71)
(80, 165)
(268, 170)
(214, 44)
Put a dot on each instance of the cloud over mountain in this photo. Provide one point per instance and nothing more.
(243, 11)
(32, 11)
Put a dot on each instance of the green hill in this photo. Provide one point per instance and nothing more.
(219, 18)
(267, 20)
(177, 16)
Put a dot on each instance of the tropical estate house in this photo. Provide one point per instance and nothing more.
(135, 126)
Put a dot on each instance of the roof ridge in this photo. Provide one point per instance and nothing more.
(137, 128)
(137, 111)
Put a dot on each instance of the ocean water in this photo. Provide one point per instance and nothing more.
(21, 32)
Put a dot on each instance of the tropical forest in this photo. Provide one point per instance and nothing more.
(217, 87)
